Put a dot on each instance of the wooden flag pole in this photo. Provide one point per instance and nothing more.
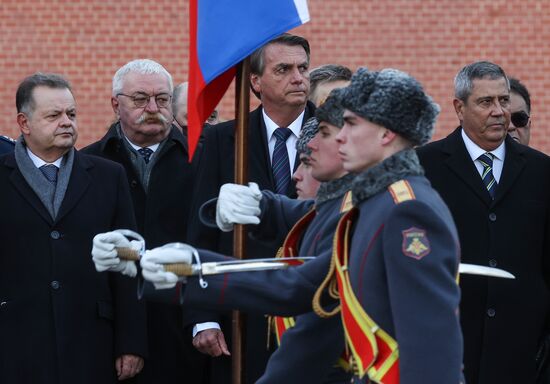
(242, 108)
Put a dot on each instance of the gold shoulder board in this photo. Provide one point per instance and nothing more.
(401, 191)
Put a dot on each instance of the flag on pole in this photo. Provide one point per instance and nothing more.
(222, 34)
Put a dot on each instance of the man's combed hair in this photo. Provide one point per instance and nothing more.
(464, 80)
(327, 73)
(142, 66)
(517, 87)
(257, 64)
(257, 60)
(24, 100)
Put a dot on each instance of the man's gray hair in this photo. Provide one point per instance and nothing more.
(142, 66)
(464, 80)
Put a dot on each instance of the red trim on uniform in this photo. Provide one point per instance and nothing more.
(177, 293)
(314, 243)
(224, 286)
(290, 249)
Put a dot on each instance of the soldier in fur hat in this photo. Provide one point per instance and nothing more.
(397, 252)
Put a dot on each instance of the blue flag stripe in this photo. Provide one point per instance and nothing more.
(230, 30)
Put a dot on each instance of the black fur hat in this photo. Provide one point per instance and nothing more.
(310, 129)
(394, 100)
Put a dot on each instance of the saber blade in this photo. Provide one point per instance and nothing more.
(472, 269)
(217, 268)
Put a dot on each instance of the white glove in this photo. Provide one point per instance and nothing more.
(238, 204)
(152, 267)
(105, 255)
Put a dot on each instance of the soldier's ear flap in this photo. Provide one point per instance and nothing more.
(23, 122)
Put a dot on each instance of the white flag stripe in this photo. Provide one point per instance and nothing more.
(303, 11)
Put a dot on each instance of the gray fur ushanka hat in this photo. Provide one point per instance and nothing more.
(331, 110)
(394, 100)
(310, 129)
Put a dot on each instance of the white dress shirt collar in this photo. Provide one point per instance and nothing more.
(295, 126)
(38, 162)
(475, 151)
(153, 147)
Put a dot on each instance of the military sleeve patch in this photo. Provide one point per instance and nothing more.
(415, 243)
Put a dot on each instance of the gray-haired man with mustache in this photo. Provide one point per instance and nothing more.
(154, 154)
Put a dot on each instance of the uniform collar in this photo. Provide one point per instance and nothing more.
(374, 180)
(334, 189)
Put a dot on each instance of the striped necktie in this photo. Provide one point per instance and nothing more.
(487, 176)
(280, 164)
(50, 172)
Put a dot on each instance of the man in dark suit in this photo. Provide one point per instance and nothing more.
(155, 157)
(498, 193)
(62, 321)
(280, 78)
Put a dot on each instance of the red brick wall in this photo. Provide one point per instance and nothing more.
(87, 40)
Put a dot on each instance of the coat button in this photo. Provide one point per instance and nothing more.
(133, 184)
(55, 285)
(493, 216)
(492, 263)
(55, 235)
(491, 312)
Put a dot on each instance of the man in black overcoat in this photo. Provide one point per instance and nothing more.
(155, 156)
(62, 322)
(280, 78)
(498, 192)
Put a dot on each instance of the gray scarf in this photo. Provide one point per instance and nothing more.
(394, 168)
(49, 194)
(142, 168)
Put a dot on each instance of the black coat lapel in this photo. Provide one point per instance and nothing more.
(259, 161)
(26, 191)
(460, 163)
(513, 165)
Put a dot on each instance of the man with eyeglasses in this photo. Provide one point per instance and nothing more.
(154, 153)
(520, 107)
(498, 193)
